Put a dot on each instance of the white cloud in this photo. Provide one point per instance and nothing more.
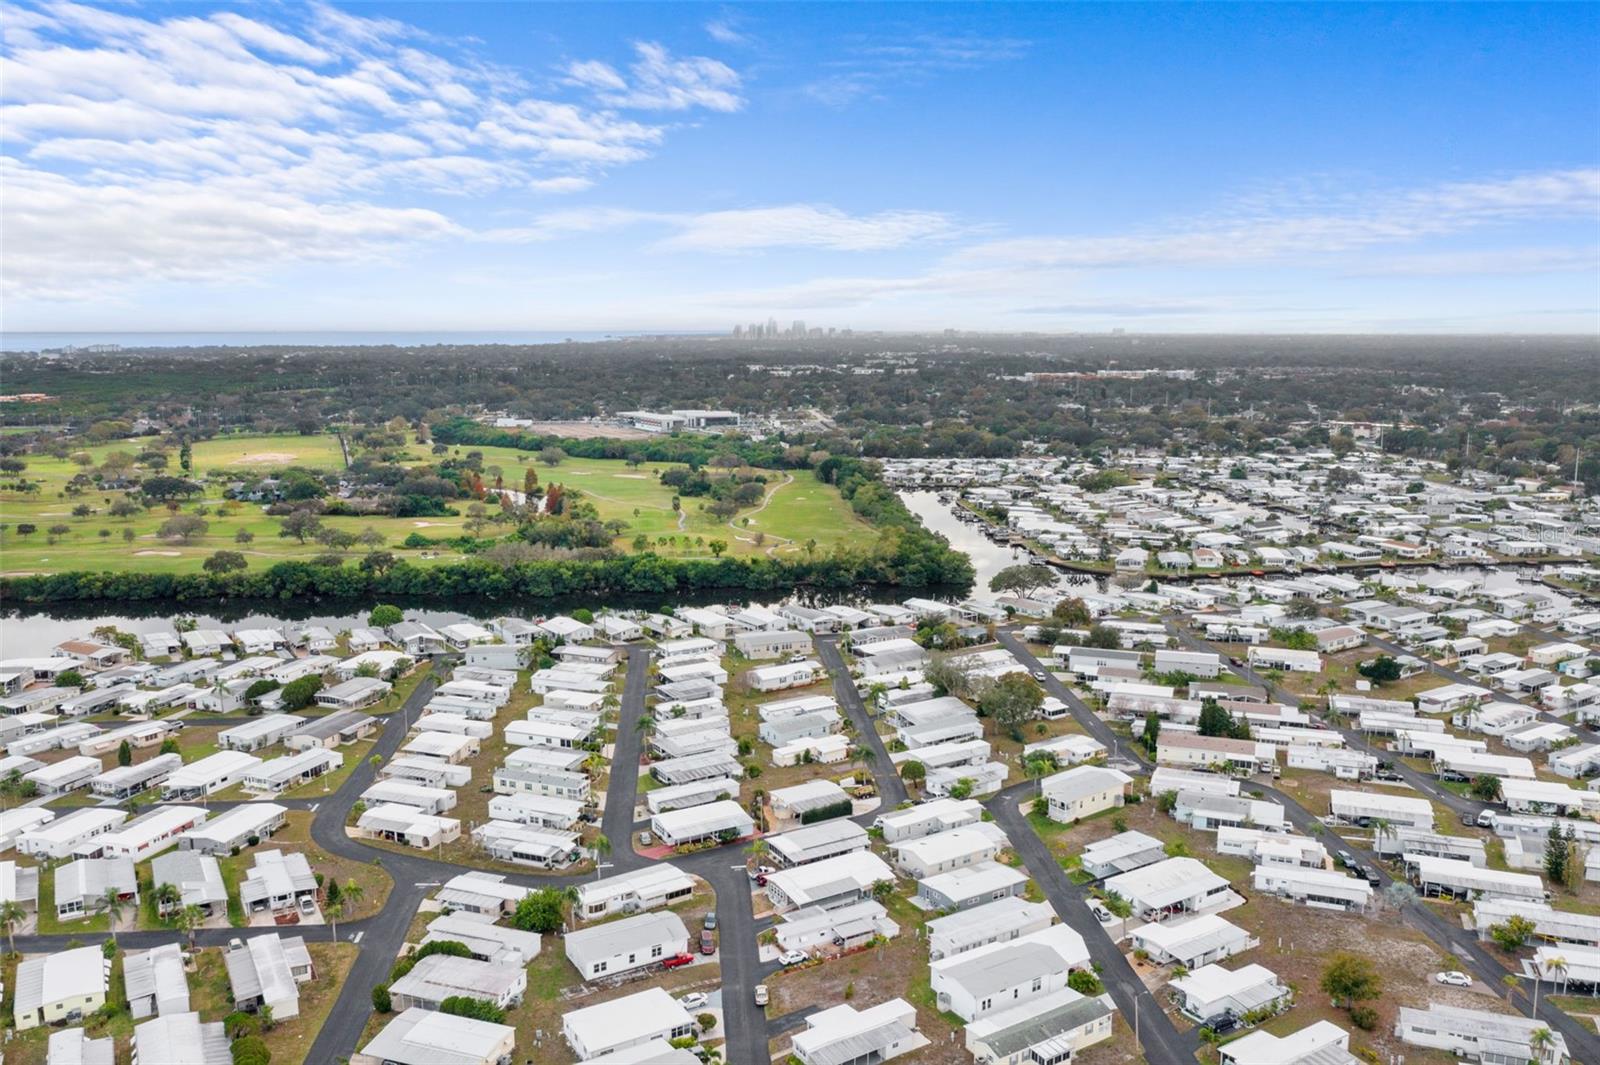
(331, 128)
(724, 31)
(659, 82)
(807, 226)
(749, 229)
(1499, 261)
(1265, 229)
(869, 67)
(69, 239)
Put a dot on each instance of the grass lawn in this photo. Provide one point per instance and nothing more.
(796, 510)
(354, 755)
(295, 835)
(32, 1047)
(472, 798)
(290, 1039)
(897, 968)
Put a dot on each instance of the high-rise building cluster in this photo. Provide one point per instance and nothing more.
(797, 330)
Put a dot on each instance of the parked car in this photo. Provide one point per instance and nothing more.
(1101, 914)
(677, 960)
(1453, 978)
(708, 942)
(693, 1000)
(308, 905)
(1486, 819)
(645, 839)
(711, 920)
(793, 957)
(761, 994)
(761, 880)
(1037, 674)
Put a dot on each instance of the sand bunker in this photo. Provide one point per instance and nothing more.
(427, 524)
(163, 554)
(631, 476)
(265, 458)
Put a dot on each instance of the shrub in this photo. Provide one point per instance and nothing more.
(1085, 982)
(380, 999)
(251, 1050)
(842, 808)
(1364, 1018)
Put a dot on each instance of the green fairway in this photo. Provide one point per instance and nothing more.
(797, 509)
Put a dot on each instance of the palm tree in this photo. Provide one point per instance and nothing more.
(1381, 827)
(1558, 966)
(1038, 767)
(11, 915)
(188, 919)
(646, 725)
(168, 897)
(601, 845)
(351, 895)
(594, 765)
(113, 906)
(267, 1021)
(756, 848)
(1540, 1040)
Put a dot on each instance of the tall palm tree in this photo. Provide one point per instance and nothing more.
(601, 845)
(113, 906)
(1558, 967)
(11, 915)
(1381, 827)
(1540, 1040)
(168, 897)
(351, 895)
(756, 849)
(189, 919)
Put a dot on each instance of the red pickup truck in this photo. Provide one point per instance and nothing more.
(676, 960)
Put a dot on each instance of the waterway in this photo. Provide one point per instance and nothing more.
(988, 557)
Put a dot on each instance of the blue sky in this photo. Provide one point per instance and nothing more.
(508, 166)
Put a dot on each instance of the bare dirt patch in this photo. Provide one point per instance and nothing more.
(264, 458)
(1297, 940)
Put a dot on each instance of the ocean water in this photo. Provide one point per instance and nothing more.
(24, 342)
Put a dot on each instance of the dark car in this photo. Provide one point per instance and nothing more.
(711, 920)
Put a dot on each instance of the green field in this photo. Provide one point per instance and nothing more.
(798, 509)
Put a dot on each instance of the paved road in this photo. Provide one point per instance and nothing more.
(1159, 1038)
(1356, 740)
(1451, 938)
(747, 1028)
(622, 793)
(890, 787)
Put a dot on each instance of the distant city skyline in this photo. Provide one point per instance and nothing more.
(790, 169)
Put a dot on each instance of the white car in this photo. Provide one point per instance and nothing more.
(1453, 978)
(761, 994)
(793, 957)
(1101, 914)
(693, 1000)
